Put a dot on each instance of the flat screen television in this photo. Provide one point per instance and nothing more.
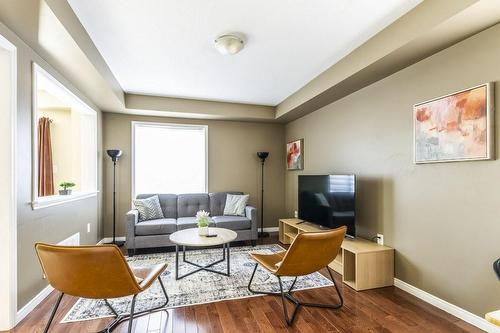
(328, 200)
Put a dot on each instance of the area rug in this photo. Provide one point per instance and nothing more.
(201, 287)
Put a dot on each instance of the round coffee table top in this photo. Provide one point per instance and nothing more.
(190, 237)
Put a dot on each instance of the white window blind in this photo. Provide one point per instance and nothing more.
(169, 158)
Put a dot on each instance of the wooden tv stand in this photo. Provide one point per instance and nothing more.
(363, 264)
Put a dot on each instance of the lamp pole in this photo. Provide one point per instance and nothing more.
(115, 155)
(114, 201)
(262, 155)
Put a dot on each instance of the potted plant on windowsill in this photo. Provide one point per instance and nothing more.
(203, 220)
(66, 188)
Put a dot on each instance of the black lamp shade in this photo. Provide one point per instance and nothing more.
(262, 155)
(114, 154)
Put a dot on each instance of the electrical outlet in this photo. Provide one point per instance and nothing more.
(380, 239)
(295, 214)
(88, 227)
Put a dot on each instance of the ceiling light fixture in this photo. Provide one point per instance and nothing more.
(229, 44)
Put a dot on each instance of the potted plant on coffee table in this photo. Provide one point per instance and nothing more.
(66, 188)
(203, 220)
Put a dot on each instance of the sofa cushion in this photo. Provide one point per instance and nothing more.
(189, 204)
(218, 202)
(168, 203)
(188, 222)
(232, 222)
(156, 227)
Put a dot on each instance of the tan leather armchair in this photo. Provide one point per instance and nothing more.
(308, 253)
(96, 272)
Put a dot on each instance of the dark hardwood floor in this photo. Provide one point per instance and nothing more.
(379, 310)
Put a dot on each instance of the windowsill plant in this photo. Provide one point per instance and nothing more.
(66, 188)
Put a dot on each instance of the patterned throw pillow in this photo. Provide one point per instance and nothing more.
(235, 204)
(149, 209)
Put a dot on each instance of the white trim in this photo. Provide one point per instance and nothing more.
(55, 200)
(8, 317)
(72, 240)
(269, 229)
(132, 159)
(448, 307)
(37, 202)
(110, 239)
(33, 303)
(123, 238)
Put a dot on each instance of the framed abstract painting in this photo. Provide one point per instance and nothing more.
(455, 127)
(295, 155)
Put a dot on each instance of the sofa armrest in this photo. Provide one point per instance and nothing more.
(131, 219)
(251, 214)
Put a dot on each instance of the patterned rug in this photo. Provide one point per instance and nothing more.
(201, 287)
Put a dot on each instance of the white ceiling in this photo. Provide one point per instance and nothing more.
(165, 47)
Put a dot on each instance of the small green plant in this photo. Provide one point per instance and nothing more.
(203, 218)
(67, 185)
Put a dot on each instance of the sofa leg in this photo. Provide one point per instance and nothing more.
(131, 252)
(254, 242)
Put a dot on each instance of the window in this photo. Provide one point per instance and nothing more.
(169, 158)
(65, 143)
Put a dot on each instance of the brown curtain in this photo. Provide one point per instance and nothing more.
(45, 172)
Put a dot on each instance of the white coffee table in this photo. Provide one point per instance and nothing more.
(190, 238)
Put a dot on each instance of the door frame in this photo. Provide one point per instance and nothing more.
(8, 245)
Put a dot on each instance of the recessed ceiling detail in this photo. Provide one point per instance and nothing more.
(165, 48)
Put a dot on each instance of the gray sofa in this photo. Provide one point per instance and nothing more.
(180, 211)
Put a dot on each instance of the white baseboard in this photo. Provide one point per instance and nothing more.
(31, 305)
(270, 229)
(110, 239)
(448, 307)
(122, 239)
(72, 240)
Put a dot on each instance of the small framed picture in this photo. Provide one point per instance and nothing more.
(295, 155)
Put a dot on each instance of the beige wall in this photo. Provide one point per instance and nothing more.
(233, 164)
(442, 219)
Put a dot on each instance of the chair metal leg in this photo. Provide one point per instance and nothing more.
(132, 308)
(285, 311)
(266, 292)
(120, 318)
(53, 313)
(288, 295)
(111, 308)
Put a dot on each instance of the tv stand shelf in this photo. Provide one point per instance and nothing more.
(363, 264)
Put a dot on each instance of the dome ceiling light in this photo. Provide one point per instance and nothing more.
(229, 44)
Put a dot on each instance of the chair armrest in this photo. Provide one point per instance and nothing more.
(251, 214)
(131, 219)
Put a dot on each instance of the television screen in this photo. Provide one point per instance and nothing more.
(328, 200)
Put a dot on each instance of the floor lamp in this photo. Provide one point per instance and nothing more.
(262, 155)
(115, 155)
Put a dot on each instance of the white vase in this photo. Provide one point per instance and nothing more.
(203, 231)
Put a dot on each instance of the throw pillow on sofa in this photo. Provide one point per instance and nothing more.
(149, 208)
(235, 204)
